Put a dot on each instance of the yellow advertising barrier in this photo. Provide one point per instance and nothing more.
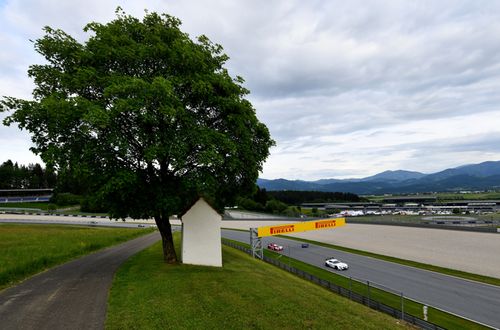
(300, 227)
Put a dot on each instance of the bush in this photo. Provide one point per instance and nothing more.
(275, 206)
(292, 211)
(65, 199)
(51, 207)
(91, 205)
(249, 204)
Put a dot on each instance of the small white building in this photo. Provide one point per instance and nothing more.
(201, 237)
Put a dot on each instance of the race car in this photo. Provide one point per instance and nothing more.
(336, 264)
(274, 247)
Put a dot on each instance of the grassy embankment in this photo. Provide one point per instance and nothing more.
(29, 249)
(443, 319)
(245, 293)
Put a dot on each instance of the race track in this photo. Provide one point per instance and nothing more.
(473, 300)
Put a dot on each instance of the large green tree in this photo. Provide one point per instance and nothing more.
(148, 117)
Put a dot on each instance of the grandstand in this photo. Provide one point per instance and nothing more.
(25, 195)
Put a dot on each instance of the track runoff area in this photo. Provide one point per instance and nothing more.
(447, 293)
(256, 234)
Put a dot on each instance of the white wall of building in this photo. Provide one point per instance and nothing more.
(201, 237)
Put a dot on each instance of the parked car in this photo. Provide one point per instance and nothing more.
(336, 264)
(274, 247)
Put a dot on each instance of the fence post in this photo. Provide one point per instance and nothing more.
(368, 286)
(289, 257)
(350, 287)
(402, 307)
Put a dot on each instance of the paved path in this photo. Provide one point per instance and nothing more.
(71, 296)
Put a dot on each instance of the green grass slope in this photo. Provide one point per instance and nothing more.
(244, 294)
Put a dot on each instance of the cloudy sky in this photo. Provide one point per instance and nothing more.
(347, 88)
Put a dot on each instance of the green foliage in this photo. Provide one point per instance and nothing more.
(144, 117)
(275, 206)
(298, 197)
(314, 212)
(92, 205)
(249, 204)
(65, 199)
(148, 117)
(33, 176)
(292, 211)
(51, 208)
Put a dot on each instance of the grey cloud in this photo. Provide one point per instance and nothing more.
(321, 71)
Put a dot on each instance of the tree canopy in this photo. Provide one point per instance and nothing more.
(148, 117)
(32, 176)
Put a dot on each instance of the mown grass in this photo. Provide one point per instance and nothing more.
(44, 206)
(438, 317)
(29, 249)
(27, 205)
(244, 294)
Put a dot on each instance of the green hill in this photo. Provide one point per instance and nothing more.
(244, 294)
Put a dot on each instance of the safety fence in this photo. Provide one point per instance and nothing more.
(345, 292)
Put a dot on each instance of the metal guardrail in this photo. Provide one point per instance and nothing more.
(348, 293)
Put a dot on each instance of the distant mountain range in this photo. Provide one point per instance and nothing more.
(483, 176)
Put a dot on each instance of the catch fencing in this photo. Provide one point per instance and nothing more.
(345, 292)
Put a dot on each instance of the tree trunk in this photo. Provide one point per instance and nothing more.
(165, 229)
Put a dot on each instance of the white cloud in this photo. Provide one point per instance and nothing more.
(348, 89)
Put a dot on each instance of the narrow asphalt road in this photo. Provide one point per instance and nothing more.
(70, 296)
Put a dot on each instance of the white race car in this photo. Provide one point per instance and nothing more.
(336, 264)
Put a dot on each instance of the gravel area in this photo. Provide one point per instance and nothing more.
(473, 252)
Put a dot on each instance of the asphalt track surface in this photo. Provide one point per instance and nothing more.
(473, 300)
(73, 295)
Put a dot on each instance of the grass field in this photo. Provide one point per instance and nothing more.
(44, 207)
(29, 249)
(244, 294)
(34, 205)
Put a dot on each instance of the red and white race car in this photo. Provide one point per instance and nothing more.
(274, 247)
